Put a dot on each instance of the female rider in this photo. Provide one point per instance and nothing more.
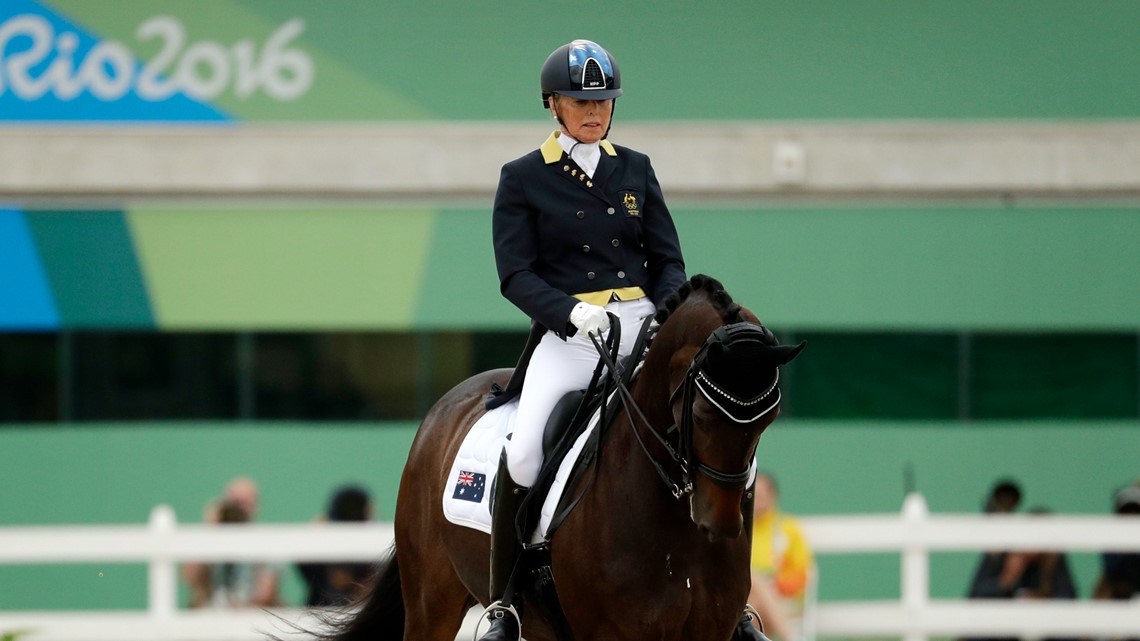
(580, 229)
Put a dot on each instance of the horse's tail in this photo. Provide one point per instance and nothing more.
(378, 615)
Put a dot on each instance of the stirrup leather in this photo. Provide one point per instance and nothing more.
(498, 611)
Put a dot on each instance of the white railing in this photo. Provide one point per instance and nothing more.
(914, 533)
(163, 544)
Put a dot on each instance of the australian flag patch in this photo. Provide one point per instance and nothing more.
(469, 486)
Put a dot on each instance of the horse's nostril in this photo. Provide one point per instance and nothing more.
(709, 533)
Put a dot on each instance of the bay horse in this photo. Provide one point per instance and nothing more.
(637, 558)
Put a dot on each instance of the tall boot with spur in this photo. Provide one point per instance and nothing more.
(505, 548)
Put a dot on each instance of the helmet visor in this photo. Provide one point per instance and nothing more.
(590, 66)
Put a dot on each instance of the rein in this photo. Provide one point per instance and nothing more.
(631, 407)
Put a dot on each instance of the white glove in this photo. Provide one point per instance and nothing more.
(590, 319)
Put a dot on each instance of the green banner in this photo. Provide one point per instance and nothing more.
(355, 60)
(336, 266)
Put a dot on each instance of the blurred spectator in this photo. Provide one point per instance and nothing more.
(338, 584)
(1024, 574)
(1003, 498)
(1120, 571)
(233, 585)
(781, 560)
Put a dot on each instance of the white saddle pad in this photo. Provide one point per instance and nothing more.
(467, 498)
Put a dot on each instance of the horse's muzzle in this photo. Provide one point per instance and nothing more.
(717, 520)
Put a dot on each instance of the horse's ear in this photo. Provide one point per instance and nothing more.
(785, 353)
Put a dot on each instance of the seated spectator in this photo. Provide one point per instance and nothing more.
(339, 584)
(232, 584)
(781, 560)
(1120, 571)
(1003, 498)
(1024, 574)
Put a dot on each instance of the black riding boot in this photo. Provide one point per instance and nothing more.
(746, 631)
(505, 547)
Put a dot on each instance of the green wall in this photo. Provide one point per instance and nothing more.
(344, 267)
(924, 267)
(117, 473)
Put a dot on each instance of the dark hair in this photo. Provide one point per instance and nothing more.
(350, 503)
(1004, 496)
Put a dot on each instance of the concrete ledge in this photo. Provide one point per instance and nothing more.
(462, 159)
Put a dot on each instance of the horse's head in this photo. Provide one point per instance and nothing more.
(723, 374)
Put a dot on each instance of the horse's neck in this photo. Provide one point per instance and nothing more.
(630, 485)
(665, 363)
(650, 394)
(653, 394)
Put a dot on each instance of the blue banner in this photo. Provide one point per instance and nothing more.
(53, 69)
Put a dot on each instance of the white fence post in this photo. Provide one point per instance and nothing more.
(162, 583)
(915, 578)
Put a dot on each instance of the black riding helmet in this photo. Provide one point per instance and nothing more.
(581, 69)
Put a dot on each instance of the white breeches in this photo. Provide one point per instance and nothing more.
(558, 367)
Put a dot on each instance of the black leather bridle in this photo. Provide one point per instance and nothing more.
(696, 378)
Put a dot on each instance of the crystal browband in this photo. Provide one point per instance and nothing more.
(701, 377)
(704, 382)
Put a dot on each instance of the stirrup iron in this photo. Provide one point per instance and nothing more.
(497, 611)
(751, 612)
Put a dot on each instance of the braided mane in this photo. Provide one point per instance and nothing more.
(729, 310)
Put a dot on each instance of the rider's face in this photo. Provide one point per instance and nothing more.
(584, 120)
